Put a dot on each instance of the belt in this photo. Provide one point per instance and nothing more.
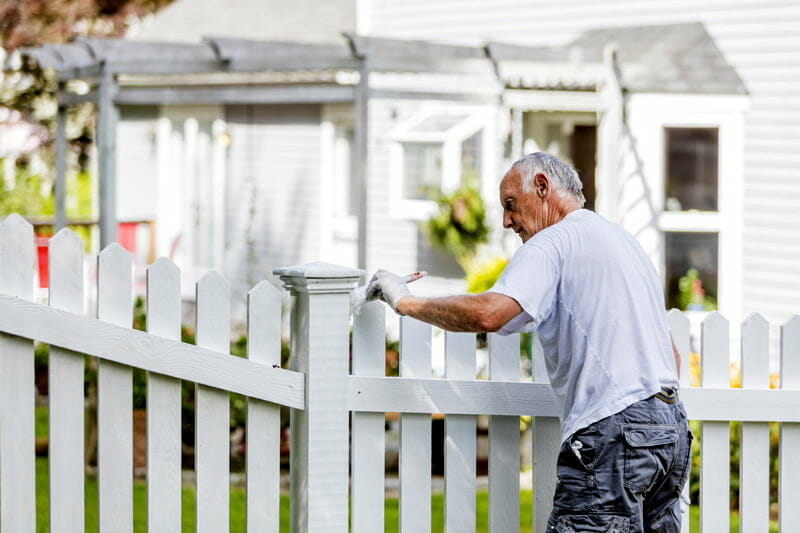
(667, 395)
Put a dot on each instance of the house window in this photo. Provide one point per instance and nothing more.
(692, 168)
(690, 219)
(436, 151)
(422, 170)
(686, 251)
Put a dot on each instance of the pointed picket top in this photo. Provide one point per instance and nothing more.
(790, 353)
(164, 298)
(16, 257)
(213, 312)
(115, 284)
(755, 352)
(264, 324)
(679, 329)
(65, 272)
(715, 357)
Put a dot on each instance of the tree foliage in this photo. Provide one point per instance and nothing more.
(35, 22)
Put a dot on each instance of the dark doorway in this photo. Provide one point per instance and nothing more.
(583, 153)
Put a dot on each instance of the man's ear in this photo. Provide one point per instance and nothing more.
(541, 185)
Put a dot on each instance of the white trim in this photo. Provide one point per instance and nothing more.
(363, 17)
(702, 221)
(327, 134)
(218, 183)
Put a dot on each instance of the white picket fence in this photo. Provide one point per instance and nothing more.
(337, 413)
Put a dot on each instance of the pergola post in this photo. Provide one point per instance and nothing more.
(107, 117)
(361, 141)
(61, 165)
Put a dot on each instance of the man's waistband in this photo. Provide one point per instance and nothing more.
(667, 395)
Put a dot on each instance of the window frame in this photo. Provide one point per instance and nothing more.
(451, 140)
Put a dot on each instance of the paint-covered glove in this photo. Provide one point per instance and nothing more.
(387, 287)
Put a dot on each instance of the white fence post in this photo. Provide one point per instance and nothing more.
(715, 439)
(789, 477)
(263, 419)
(679, 329)
(320, 434)
(546, 445)
(163, 404)
(212, 411)
(754, 442)
(503, 441)
(114, 397)
(460, 444)
(65, 395)
(415, 432)
(368, 436)
(17, 467)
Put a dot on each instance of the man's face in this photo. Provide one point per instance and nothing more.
(522, 212)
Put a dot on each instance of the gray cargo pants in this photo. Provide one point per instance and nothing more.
(625, 472)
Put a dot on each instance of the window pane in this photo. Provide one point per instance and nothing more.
(471, 159)
(685, 251)
(692, 163)
(422, 170)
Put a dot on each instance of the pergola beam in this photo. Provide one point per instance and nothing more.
(235, 94)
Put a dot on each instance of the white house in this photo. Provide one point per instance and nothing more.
(246, 183)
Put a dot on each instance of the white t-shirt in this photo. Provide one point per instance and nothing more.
(592, 295)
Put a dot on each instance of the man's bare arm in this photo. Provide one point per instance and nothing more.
(488, 311)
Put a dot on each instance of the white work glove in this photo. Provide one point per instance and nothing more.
(387, 287)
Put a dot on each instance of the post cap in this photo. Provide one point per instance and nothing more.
(319, 277)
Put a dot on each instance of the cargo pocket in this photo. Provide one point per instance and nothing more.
(592, 523)
(649, 453)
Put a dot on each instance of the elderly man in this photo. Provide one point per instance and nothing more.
(591, 294)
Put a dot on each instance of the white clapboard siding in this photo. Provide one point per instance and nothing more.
(460, 443)
(65, 395)
(17, 472)
(163, 404)
(368, 439)
(263, 460)
(789, 475)
(679, 329)
(546, 445)
(503, 441)
(212, 411)
(415, 432)
(715, 436)
(754, 443)
(114, 398)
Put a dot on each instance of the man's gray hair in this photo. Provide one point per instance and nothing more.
(564, 178)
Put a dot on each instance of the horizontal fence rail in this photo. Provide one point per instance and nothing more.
(337, 409)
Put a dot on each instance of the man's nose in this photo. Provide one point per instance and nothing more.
(506, 220)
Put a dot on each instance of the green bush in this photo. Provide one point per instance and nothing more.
(459, 226)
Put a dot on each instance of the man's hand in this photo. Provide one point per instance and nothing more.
(387, 287)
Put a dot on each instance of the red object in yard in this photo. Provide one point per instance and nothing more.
(126, 235)
(42, 246)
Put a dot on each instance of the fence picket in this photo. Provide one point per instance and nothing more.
(163, 404)
(368, 443)
(415, 432)
(679, 329)
(263, 460)
(546, 444)
(715, 436)
(503, 441)
(789, 476)
(17, 395)
(114, 398)
(65, 395)
(212, 411)
(754, 442)
(460, 440)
